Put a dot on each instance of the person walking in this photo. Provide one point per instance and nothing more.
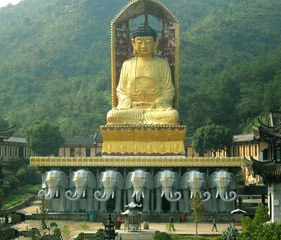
(214, 225)
(181, 217)
(171, 220)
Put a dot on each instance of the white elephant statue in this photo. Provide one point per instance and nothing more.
(54, 185)
(139, 183)
(222, 183)
(193, 181)
(84, 183)
(165, 183)
(112, 182)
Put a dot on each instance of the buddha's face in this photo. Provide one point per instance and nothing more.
(144, 46)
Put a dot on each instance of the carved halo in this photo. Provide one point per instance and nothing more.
(121, 48)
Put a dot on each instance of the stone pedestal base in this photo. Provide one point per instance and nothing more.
(143, 139)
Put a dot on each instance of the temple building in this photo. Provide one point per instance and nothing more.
(270, 170)
(12, 146)
(81, 146)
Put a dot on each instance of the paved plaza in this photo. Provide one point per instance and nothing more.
(75, 227)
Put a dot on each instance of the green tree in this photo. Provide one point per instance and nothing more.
(211, 137)
(44, 138)
(257, 229)
(43, 212)
(198, 211)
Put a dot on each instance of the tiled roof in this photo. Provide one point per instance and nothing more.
(270, 171)
(16, 140)
(244, 138)
(79, 141)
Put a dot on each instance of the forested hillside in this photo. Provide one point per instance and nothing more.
(54, 62)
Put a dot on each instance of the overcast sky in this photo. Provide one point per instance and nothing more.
(3, 3)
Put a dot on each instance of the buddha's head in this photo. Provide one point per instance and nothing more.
(144, 41)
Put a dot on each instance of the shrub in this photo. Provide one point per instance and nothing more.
(261, 215)
(99, 234)
(258, 229)
(6, 187)
(161, 236)
(230, 233)
(28, 175)
(14, 182)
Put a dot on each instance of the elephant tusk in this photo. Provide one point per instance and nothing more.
(134, 194)
(142, 193)
(162, 194)
(217, 194)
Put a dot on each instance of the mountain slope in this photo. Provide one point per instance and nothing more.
(54, 59)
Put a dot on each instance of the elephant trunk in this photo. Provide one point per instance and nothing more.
(169, 195)
(105, 196)
(207, 196)
(138, 193)
(74, 197)
(224, 195)
(47, 194)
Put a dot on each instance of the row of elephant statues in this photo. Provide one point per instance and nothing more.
(83, 191)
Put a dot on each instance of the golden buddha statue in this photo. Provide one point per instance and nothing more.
(145, 91)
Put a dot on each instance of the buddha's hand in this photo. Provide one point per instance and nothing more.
(153, 105)
(124, 103)
(161, 103)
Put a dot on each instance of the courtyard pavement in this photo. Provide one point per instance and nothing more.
(75, 227)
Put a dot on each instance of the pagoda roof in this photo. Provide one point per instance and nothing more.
(266, 131)
(274, 118)
(269, 170)
(7, 132)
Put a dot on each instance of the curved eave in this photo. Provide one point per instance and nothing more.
(136, 161)
(268, 169)
(6, 133)
(271, 131)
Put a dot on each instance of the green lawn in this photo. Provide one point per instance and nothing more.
(19, 195)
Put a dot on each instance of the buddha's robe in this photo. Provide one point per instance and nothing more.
(145, 93)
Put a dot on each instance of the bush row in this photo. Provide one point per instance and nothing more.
(24, 176)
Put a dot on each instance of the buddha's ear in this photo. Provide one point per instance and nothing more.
(156, 46)
(134, 46)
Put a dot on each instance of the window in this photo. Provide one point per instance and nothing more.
(243, 151)
(250, 150)
(88, 152)
(71, 152)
